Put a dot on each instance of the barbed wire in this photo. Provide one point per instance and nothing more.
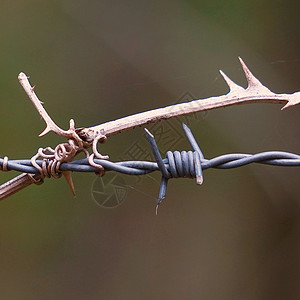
(176, 164)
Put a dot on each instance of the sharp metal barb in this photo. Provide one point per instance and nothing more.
(156, 153)
(192, 140)
(198, 153)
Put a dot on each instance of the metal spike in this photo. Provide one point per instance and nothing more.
(162, 167)
(162, 192)
(198, 153)
(198, 169)
(156, 154)
(188, 133)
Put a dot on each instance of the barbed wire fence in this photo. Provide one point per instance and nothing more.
(176, 164)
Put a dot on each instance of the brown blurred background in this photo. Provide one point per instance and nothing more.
(235, 237)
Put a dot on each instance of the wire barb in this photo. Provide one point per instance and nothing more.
(177, 164)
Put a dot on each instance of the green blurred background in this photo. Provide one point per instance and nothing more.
(235, 237)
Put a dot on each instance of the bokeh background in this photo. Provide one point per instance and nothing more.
(235, 237)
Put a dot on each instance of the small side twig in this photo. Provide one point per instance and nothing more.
(51, 126)
(18, 183)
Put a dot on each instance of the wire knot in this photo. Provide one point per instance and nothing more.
(177, 164)
(183, 164)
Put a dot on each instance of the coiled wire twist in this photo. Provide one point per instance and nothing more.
(179, 164)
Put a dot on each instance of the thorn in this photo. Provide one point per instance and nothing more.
(156, 208)
(47, 129)
(32, 88)
(72, 124)
(251, 79)
(294, 99)
(288, 104)
(68, 177)
(232, 85)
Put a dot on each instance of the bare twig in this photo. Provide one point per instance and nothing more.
(254, 93)
(50, 125)
(18, 183)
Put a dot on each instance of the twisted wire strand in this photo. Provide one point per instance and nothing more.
(176, 164)
(227, 161)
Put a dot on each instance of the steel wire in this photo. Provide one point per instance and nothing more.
(175, 164)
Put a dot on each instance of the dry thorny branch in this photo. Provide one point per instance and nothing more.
(80, 139)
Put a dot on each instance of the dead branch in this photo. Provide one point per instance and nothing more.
(256, 92)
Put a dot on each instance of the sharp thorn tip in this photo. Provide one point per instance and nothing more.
(286, 106)
(68, 177)
(47, 129)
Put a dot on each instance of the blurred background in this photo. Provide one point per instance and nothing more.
(235, 237)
